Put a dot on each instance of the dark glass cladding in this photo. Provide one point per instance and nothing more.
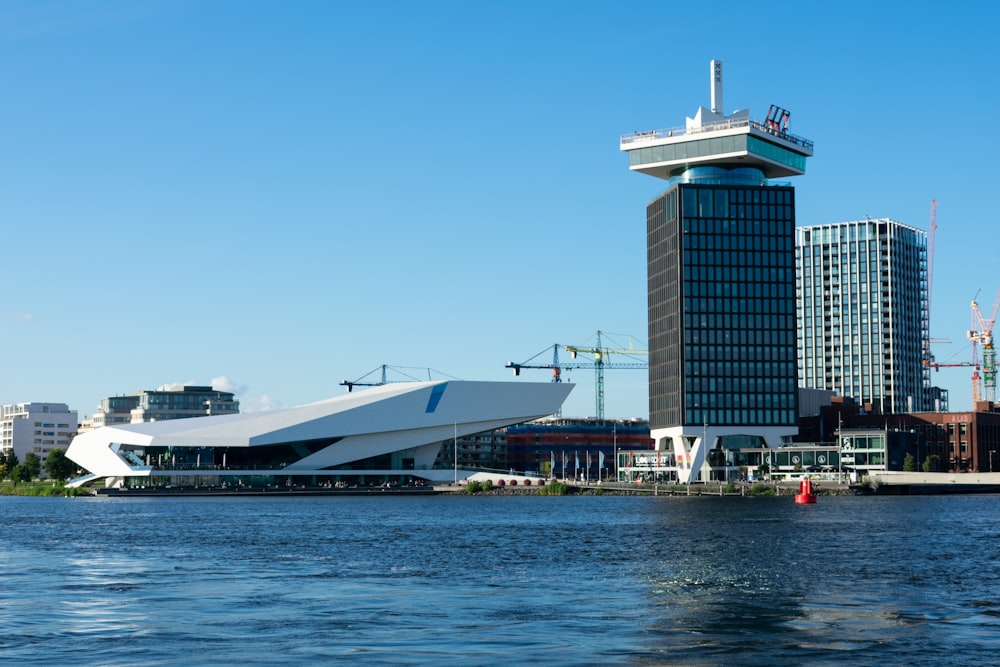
(721, 278)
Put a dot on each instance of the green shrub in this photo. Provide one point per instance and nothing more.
(479, 487)
(554, 489)
(47, 488)
(761, 489)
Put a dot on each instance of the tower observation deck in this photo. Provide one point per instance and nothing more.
(721, 284)
(715, 147)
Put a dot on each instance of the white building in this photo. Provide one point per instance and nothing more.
(861, 292)
(391, 432)
(36, 427)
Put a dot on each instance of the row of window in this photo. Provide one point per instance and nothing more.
(742, 232)
(741, 385)
(711, 146)
(770, 324)
(704, 202)
(727, 400)
(776, 306)
(778, 370)
(751, 248)
(762, 342)
(862, 230)
(741, 417)
(754, 290)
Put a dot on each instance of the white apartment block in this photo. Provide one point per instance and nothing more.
(36, 427)
(861, 289)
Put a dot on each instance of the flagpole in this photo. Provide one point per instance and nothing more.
(456, 452)
(614, 439)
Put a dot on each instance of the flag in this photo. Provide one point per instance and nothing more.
(552, 461)
(600, 459)
(577, 455)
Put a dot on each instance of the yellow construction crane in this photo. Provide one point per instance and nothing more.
(981, 333)
(599, 360)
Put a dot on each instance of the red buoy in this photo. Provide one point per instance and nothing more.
(806, 494)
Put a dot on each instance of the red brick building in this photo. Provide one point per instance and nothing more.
(962, 441)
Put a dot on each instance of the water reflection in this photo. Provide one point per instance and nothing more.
(749, 582)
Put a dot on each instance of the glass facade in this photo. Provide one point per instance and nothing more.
(721, 272)
(715, 146)
(862, 316)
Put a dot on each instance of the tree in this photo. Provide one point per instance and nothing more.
(909, 463)
(19, 473)
(8, 459)
(58, 466)
(931, 463)
(32, 465)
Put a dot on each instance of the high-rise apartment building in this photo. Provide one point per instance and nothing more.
(862, 314)
(36, 428)
(721, 283)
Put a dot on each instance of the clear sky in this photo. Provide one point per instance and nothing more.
(277, 196)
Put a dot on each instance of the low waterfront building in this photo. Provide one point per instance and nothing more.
(481, 451)
(854, 455)
(951, 441)
(387, 433)
(574, 448)
(36, 428)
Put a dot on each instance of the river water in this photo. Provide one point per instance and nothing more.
(589, 580)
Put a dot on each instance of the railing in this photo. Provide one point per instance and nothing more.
(730, 124)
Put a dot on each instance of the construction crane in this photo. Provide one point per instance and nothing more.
(363, 381)
(600, 354)
(598, 363)
(928, 357)
(555, 365)
(981, 333)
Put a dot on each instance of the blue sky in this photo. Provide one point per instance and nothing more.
(276, 197)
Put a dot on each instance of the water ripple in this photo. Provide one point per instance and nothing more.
(565, 581)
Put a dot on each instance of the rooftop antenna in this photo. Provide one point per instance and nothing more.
(717, 107)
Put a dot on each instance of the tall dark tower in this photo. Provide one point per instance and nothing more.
(721, 280)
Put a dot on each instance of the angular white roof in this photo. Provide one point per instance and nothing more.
(365, 423)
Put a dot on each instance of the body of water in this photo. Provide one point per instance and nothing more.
(592, 580)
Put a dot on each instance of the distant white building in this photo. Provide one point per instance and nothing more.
(162, 404)
(36, 427)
